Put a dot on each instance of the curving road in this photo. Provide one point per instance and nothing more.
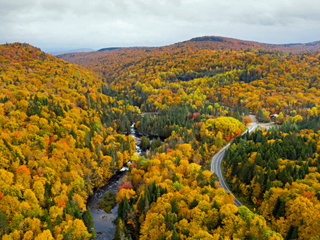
(217, 160)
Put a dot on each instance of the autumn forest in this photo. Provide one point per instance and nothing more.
(65, 131)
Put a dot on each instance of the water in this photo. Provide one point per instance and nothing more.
(103, 222)
(137, 137)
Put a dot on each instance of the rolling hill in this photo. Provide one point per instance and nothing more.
(264, 76)
(56, 144)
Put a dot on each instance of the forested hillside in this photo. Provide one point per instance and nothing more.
(61, 137)
(56, 145)
(278, 171)
(157, 78)
(65, 132)
(214, 76)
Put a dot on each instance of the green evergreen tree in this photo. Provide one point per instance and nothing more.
(119, 232)
(141, 203)
(236, 115)
(77, 213)
(126, 207)
(158, 193)
(174, 234)
(58, 220)
(281, 210)
(258, 160)
(88, 221)
(3, 223)
(146, 206)
(260, 115)
(87, 139)
(276, 207)
(289, 233)
(174, 218)
(167, 218)
(145, 143)
(261, 177)
(269, 185)
(295, 232)
(175, 207)
(193, 204)
(273, 176)
(284, 177)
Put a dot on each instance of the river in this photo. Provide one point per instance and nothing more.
(103, 221)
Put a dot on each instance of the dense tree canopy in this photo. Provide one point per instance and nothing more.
(278, 171)
(56, 145)
(64, 132)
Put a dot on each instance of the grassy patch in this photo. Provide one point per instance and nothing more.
(108, 202)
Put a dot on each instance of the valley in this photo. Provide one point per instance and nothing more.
(225, 117)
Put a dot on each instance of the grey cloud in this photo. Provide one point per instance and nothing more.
(287, 13)
(62, 24)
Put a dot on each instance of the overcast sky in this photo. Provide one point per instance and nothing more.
(56, 25)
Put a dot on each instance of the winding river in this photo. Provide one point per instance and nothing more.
(103, 222)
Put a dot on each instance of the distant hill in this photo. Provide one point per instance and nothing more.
(108, 49)
(219, 60)
(223, 42)
(124, 57)
(72, 51)
(82, 50)
(82, 58)
(206, 42)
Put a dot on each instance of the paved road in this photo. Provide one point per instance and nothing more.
(217, 160)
